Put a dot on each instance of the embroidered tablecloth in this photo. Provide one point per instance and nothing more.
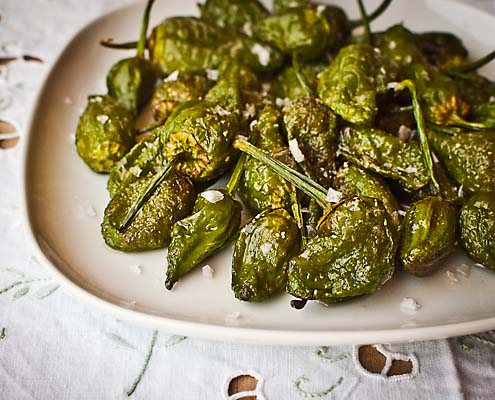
(54, 347)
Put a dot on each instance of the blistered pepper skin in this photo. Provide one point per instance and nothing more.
(104, 133)
(131, 82)
(484, 114)
(314, 126)
(352, 81)
(342, 261)
(152, 225)
(237, 14)
(287, 85)
(442, 49)
(386, 155)
(261, 256)
(468, 157)
(170, 94)
(354, 181)
(284, 5)
(207, 230)
(188, 44)
(428, 235)
(477, 226)
(303, 31)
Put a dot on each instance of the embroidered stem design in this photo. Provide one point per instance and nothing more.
(323, 393)
(476, 338)
(3, 333)
(17, 283)
(145, 365)
(322, 354)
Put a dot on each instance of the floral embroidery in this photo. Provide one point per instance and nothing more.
(147, 359)
(461, 341)
(23, 286)
(307, 394)
(323, 354)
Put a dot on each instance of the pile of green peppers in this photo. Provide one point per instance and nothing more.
(349, 156)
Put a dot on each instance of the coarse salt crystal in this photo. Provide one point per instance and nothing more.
(136, 268)
(221, 111)
(333, 196)
(247, 28)
(263, 54)
(411, 170)
(409, 306)
(265, 248)
(401, 213)
(463, 270)
(296, 151)
(250, 110)
(102, 119)
(172, 77)
(451, 277)
(320, 9)
(460, 191)
(405, 133)
(392, 45)
(212, 74)
(213, 196)
(282, 102)
(207, 272)
(394, 85)
(491, 99)
(90, 212)
(253, 124)
(136, 171)
(435, 158)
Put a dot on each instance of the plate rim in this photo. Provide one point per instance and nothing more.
(211, 331)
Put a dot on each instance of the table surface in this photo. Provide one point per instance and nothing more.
(52, 346)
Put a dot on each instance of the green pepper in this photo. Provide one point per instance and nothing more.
(143, 159)
(237, 14)
(260, 188)
(104, 133)
(287, 84)
(442, 49)
(386, 155)
(172, 93)
(352, 180)
(189, 44)
(428, 235)
(477, 228)
(131, 81)
(261, 255)
(284, 5)
(151, 226)
(342, 262)
(476, 89)
(214, 220)
(314, 126)
(352, 81)
(468, 157)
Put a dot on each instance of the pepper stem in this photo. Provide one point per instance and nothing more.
(108, 43)
(423, 139)
(366, 22)
(146, 194)
(297, 214)
(300, 76)
(459, 121)
(374, 15)
(141, 46)
(235, 178)
(301, 181)
(462, 69)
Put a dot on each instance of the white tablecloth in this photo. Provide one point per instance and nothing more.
(54, 347)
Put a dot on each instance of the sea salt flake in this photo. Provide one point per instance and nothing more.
(405, 133)
(460, 191)
(394, 86)
(411, 170)
(221, 111)
(247, 28)
(207, 272)
(90, 212)
(392, 45)
(265, 248)
(279, 102)
(250, 110)
(463, 270)
(401, 213)
(409, 306)
(212, 74)
(296, 151)
(136, 171)
(253, 124)
(333, 196)
(212, 196)
(263, 54)
(102, 119)
(491, 99)
(136, 268)
(172, 77)
(451, 277)
(320, 9)
(435, 158)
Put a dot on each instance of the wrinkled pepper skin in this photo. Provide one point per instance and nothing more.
(304, 31)
(260, 188)
(350, 84)
(237, 14)
(442, 49)
(152, 225)
(477, 90)
(207, 230)
(449, 189)
(236, 71)
(142, 160)
(287, 85)
(354, 181)
(188, 44)
(131, 82)
(341, 261)
(400, 45)
(261, 256)
(284, 5)
(428, 235)
(386, 155)
(314, 126)
(440, 98)
(171, 94)
(468, 157)
(104, 133)
(477, 226)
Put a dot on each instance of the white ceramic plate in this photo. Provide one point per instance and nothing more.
(61, 193)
